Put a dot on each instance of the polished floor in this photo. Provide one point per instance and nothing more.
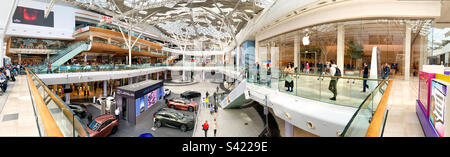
(402, 120)
(17, 118)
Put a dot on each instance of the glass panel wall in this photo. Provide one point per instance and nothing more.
(308, 50)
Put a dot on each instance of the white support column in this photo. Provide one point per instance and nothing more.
(109, 40)
(2, 51)
(67, 86)
(146, 77)
(165, 75)
(340, 47)
(256, 52)
(288, 129)
(105, 87)
(238, 52)
(407, 60)
(130, 80)
(297, 51)
(20, 58)
(203, 75)
(157, 76)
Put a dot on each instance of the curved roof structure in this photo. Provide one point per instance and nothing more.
(213, 21)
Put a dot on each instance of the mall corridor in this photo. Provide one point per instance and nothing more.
(17, 116)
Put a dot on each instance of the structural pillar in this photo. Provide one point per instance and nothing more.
(146, 77)
(105, 87)
(288, 129)
(20, 58)
(340, 47)
(203, 75)
(2, 51)
(407, 64)
(130, 80)
(238, 55)
(165, 75)
(297, 51)
(67, 86)
(157, 76)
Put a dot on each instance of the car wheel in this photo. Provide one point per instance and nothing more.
(183, 128)
(114, 130)
(191, 109)
(158, 124)
(172, 107)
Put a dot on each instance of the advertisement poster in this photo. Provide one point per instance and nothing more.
(424, 90)
(152, 98)
(160, 93)
(32, 16)
(437, 106)
(141, 105)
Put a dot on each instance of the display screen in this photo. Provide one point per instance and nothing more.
(141, 105)
(152, 98)
(437, 106)
(32, 16)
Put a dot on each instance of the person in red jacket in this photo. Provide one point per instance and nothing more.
(205, 128)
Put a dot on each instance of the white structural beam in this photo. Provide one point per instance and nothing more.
(48, 9)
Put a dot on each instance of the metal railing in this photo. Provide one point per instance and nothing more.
(60, 120)
(371, 114)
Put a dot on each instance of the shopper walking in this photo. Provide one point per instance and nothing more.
(334, 71)
(205, 128)
(307, 68)
(49, 69)
(365, 76)
(215, 127)
(386, 71)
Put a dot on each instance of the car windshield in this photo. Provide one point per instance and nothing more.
(179, 115)
(94, 125)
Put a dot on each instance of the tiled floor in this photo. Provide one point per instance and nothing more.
(402, 120)
(20, 118)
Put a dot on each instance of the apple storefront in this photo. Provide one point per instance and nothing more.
(135, 100)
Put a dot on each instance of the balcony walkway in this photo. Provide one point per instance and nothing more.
(17, 117)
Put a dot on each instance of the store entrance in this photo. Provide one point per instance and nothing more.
(124, 108)
(310, 58)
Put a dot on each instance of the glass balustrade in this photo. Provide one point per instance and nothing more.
(360, 122)
(67, 121)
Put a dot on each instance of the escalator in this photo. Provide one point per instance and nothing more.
(236, 97)
(64, 55)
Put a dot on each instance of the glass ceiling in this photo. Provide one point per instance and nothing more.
(211, 21)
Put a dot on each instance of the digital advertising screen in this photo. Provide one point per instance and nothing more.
(438, 106)
(141, 105)
(152, 98)
(32, 16)
(159, 93)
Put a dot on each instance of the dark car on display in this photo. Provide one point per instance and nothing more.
(103, 125)
(172, 118)
(183, 104)
(79, 110)
(190, 94)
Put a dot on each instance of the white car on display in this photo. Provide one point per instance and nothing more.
(166, 92)
(109, 98)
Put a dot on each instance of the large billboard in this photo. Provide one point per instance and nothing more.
(32, 16)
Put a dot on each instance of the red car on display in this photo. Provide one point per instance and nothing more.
(103, 126)
(180, 103)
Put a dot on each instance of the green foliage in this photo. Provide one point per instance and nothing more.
(354, 49)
